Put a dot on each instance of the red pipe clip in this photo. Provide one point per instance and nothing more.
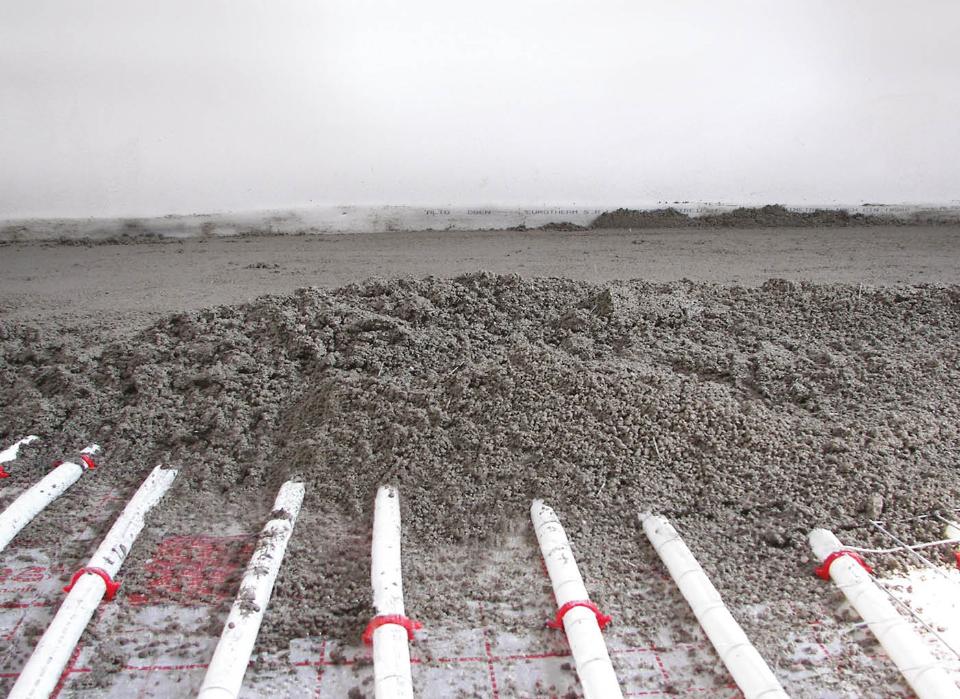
(87, 460)
(112, 585)
(383, 619)
(823, 570)
(557, 622)
(3, 472)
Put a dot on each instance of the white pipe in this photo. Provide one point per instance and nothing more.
(11, 452)
(391, 652)
(224, 676)
(40, 675)
(925, 675)
(33, 500)
(580, 623)
(746, 665)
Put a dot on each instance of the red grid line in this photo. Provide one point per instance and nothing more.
(67, 671)
(166, 668)
(663, 668)
(448, 661)
(823, 648)
(16, 627)
(661, 693)
(320, 667)
(322, 662)
(26, 605)
(489, 653)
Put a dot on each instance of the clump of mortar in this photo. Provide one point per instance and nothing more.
(770, 216)
(747, 415)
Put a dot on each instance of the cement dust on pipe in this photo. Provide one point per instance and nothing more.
(40, 675)
(390, 630)
(36, 498)
(898, 637)
(747, 667)
(580, 619)
(13, 451)
(224, 677)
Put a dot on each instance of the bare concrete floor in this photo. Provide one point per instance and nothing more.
(112, 287)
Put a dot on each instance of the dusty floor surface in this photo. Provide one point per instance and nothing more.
(104, 288)
(747, 413)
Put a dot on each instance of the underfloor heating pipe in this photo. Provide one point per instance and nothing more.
(33, 500)
(225, 673)
(391, 651)
(10, 453)
(40, 675)
(747, 667)
(580, 621)
(925, 674)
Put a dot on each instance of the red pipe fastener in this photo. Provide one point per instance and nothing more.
(823, 570)
(557, 622)
(112, 585)
(3, 472)
(383, 619)
(87, 460)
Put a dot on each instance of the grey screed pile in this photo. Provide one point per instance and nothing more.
(746, 415)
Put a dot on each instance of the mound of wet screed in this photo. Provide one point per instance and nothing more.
(747, 415)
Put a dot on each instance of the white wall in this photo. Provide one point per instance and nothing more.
(129, 107)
